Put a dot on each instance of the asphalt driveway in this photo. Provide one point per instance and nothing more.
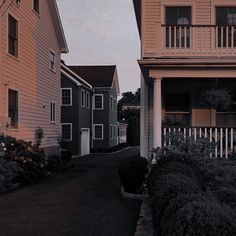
(84, 201)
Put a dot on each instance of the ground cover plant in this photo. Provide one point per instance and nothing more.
(190, 193)
(24, 163)
(132, 174)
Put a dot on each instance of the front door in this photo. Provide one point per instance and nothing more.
(85, 142)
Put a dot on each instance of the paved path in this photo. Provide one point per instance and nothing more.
(84, 201)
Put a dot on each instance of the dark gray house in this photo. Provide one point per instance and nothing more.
(104, 80)
(76, 112)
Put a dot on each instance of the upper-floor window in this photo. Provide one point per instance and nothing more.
(36, 5)
(178, 15)
(12, 36)
(13, 107)
(98, 101)
(177, 21)
(82, 98)
(111, 103)
(66, 97)
(87, 100)
(52, 112)
(226, 23)
(52, 61)
(225, 16)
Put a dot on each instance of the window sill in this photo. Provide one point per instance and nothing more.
(36, 13)
(13, 57)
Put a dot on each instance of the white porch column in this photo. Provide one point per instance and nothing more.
(157, 116)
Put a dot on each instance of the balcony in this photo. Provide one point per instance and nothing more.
(198, 40)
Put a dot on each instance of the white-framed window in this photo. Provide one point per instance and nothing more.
(87, 100)
(98, 131)
(52, 112)
(115, 104)
(66, 131)
(66, 96)
(111, 131)
(111, 103)
(98, 101)
(52, 60)
(12, 36)
(115, 133)
(36, 6)
(13, 107)
(82, 97)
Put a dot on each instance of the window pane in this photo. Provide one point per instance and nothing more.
(36, 5)
(66, 97)
(98, 102)
(13, 107)
(12, 36)
(66, 132)
(98, 132)
(178, 15)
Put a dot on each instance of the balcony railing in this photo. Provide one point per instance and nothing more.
(225, 138)
(198, 40)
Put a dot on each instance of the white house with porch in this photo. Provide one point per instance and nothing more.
(187, 48)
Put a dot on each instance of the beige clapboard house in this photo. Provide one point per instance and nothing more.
(188, 47)
(31, 43)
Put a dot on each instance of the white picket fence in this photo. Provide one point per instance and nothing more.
(225, 138)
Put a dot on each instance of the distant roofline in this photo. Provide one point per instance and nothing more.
(63, 66)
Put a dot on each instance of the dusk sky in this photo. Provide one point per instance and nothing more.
(103, 32)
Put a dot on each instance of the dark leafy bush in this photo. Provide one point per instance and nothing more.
(132, 174)
(8, 174)
(179, 202)
(166, 188)
(175, 165)
(201, 218)
(66, 155)
(221, 173)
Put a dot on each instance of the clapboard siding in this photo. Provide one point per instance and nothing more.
(153, 16)
(30, 73)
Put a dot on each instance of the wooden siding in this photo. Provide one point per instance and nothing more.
(203, 13)
(30, 73)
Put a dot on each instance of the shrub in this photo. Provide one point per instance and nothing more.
(166, 188)
(66, 155)
(175, 165)
(201, 218)
(8, 174)
(132, 173)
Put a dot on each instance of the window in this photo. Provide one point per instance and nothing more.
(13, 112)
(52, 112)
(111, 103)
(178, 37)
(12, 36)
(98, 101)
(87, 100)
(52, 61)
(36, 5)
(115, 104)
(115, 133)
(178, 15)
(82, 98)
(177, 102)
(66, 132)
(66, 97)
(98, 132)
(111, 131)
(226, 16)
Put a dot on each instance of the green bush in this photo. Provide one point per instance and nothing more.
(175, 165)
(132, 174)
(166, 188)
(8, 174)
(201, 218)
